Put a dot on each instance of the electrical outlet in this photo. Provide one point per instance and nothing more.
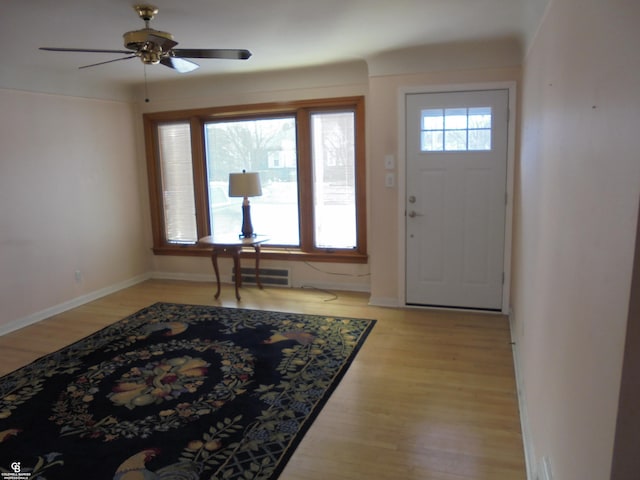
(78, 276)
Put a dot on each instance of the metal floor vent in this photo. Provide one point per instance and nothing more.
(268, 276)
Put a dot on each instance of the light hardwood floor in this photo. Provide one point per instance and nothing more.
(431, 395)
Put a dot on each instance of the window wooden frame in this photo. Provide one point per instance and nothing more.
(302, 110)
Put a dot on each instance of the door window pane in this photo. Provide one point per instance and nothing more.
(432, 119)
(267, 146)
(455, 140)
(432, 141)
(334, 190)
(480, 139)
(480, 117)
(455, 118)
(176, 170)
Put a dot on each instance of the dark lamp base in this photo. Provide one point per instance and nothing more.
(247, 228)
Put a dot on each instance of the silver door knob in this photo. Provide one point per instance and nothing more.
(413, 214)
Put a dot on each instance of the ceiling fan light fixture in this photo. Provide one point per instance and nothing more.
(151, 57)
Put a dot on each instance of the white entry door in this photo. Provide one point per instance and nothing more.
(456, 156)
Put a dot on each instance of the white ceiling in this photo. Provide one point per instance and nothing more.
(280, 33)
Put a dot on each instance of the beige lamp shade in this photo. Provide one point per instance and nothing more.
(245, 184)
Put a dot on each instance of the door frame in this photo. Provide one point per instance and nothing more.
(402, 178)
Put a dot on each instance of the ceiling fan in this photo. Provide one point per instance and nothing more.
(153, 47)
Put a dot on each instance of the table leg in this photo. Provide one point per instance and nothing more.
(236, 265)
(257, 247)
(214, 261)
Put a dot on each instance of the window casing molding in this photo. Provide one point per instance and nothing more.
(302, 110)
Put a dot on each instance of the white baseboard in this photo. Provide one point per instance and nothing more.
(68, 305)
(392, 302)
(200, 277)
(189, 277)
(527, 443)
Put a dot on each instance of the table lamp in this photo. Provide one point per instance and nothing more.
(245, 184)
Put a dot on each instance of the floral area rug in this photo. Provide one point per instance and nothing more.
(175, 392)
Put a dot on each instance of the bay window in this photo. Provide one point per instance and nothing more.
(310, 156)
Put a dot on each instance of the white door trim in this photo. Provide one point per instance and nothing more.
(402, 166)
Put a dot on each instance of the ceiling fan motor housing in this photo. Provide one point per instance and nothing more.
(137, 39)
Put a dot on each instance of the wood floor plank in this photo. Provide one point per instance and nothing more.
(431, 395)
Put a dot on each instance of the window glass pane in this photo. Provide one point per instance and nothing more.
(455, 140)
(176, 170)
(480, 139)
(334, 192)
(480, 117)
(455, 118)
(432, 119)
(432, 141)
(267, 146)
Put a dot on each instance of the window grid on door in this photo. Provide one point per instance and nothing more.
(455, 129)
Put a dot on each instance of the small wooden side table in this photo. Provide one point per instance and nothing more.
(234, 246)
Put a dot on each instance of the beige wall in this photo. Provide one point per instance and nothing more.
(69, 200)
(578, 184)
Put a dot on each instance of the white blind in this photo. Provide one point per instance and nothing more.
(176, 165)
(334, 186)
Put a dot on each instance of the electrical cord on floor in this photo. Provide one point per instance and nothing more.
(355, 275)
(342, 274)
(334, 296)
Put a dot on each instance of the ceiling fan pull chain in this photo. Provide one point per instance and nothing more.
(146, 92)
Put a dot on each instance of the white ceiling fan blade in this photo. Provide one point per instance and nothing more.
(180, 65)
